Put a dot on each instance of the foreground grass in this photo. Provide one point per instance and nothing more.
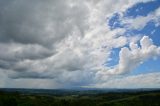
(106, 99)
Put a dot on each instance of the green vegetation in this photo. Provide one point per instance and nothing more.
(102, 99)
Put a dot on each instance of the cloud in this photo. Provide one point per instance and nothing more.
(132, 57)
(66, 42)
(139, 22)
(129, 59)
(148, 80)
(16, 51)
(3, 78)
(39, 22)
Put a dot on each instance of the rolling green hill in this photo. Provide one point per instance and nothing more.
(145, 98)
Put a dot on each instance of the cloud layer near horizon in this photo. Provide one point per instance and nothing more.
(67, 43)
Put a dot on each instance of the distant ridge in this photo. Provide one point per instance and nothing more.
(79, 91)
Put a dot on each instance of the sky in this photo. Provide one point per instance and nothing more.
(54, 44)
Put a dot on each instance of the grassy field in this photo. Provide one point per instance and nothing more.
(147, 98)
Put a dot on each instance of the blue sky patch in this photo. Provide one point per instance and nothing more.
(142, 9)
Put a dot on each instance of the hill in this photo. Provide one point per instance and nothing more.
(33, 97)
